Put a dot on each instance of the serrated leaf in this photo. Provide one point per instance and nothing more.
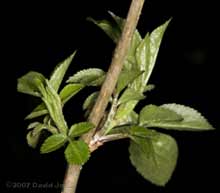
(79, 129)
(126, 77)
(69, 91)
(146, 54)
(192, 119)
(152, 114)
(59, 72)
(54, 107)
(90, 100)
(130, 94)
(66, 94)
(77, 152)
(53, 143)
(87, 77)
(30, 83)
(155, 159)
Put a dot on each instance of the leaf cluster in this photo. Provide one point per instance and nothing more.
(153, 153)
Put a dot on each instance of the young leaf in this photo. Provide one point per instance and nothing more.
(88, 77)
(152, 114)
(110, 28)
(69, 91)
(192, 119)
(66, 94)
(38, 111)
(53, 143)
(32, 140)
(126, 77)
(59, 72)
(54, 107)
(155, 159)
(30, 83)
(77, 152)
(90, 100)
(146, 54)
(125, 109)
(114, 30)
(130, 94)
(80, 128)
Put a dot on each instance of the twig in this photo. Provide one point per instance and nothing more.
(73, 171)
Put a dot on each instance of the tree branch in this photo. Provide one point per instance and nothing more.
(73, 171)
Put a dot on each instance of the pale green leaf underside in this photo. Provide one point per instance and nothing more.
(152, 114)
(53, 143)
(155, 159)
(88, 77)
(130, 94)
(146, 55)
(192, 119)
(80, 128)
(54, 107)
(77, 152)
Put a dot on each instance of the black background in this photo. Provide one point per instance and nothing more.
(38, 35)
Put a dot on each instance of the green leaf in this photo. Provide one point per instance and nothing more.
(152, 114)
(130, 119)
(110, 28)
(146, 54)
(54, 107)
(136, 39)
(66, 94)
(155, 159)
(126, 77)
(80, 128)
(114, 30)
(30, 83)
(88, 77)
(90, 100)
(139, 131)
(77, 152)
(53, 143)
(69, 91)
(130, 94)
(125, 109)
(59, 72)
(36, 128)
(192, 119)
(32, 140)
(37, 112)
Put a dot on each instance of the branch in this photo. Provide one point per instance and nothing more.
(116, 65)
(73, 171)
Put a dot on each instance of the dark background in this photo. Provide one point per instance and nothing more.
(36, 36)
